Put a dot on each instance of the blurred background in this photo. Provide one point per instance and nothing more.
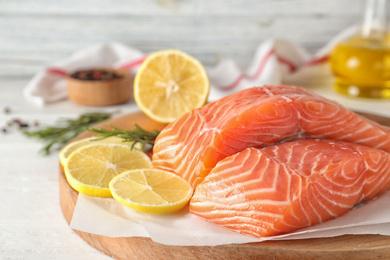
(36, 34)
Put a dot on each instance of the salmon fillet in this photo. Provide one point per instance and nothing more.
(288, 186)
(257, 117)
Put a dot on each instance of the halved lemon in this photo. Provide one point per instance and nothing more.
(90, 168)
(170, 83)
(69, 148)
(151, 190)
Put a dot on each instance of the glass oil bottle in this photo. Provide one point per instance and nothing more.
(361, 64)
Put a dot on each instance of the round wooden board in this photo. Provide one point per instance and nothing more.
(341, 247)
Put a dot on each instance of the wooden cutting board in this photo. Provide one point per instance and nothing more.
(341, 247)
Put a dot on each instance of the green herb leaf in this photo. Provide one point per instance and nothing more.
(137, 135)
(55, 137)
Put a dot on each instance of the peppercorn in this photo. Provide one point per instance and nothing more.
(7, 110)
(95, 75)
(17, 121)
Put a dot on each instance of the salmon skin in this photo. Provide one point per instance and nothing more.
(257, 117)
(288, 186)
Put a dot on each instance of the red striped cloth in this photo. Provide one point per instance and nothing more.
(274, 62)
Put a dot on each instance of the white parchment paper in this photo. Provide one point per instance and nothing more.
(105, 216)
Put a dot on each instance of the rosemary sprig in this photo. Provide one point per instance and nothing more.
(55, 137)
(137, 135)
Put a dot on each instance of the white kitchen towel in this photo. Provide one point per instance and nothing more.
(275, 61)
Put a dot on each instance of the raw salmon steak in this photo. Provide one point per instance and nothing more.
(288, 186)
(257, 117)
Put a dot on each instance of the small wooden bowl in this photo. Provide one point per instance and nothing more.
(101, 92)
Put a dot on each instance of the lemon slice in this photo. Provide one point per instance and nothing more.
(90, 168)
(170, 83)
(69, 148)
(151, 190)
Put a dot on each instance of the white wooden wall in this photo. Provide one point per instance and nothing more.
(36, 33)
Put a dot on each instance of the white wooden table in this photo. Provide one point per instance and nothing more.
(35, 34)
(31, 222)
